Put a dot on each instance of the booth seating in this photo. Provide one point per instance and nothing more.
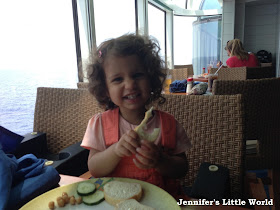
(262, 114)
(188, 66)
(180, 74)
(82, 85)
(244, 73)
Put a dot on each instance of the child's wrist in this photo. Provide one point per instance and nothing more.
(115, 150)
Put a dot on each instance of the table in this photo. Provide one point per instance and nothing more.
(199, 78)
(66, 179)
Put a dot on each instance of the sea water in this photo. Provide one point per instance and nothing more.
(18, 90)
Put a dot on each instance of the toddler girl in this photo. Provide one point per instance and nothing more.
(126, 75)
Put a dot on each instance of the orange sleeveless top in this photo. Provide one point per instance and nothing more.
(126, 168)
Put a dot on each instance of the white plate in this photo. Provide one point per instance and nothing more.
(153, 196)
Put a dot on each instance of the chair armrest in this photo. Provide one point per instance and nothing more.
(33, 143)
(72, 160)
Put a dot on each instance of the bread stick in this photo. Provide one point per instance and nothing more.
(144, 135)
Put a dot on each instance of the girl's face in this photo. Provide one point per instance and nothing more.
(127, 83)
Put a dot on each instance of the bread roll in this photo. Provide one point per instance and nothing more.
(117, 191)
(132, 204)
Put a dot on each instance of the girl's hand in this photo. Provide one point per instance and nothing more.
(127, 144)
(147, 155)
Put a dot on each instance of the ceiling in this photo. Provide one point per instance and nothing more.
(261, 2)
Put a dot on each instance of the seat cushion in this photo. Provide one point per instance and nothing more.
(9, 140)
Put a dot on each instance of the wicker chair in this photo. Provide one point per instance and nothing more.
(262, 114)
(236, 73)
(215, 128)
(82, 85)
(260, 72)
(188, 66)
(243, 73)
(63, 115)
(180, 74)
(214, 125)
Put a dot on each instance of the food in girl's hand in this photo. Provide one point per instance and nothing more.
(117, 191)
(132, 204)
(144, 135)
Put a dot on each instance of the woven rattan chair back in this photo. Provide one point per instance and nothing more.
(262, 114)
(260, 72)
(213, 70)
(236, 73)
(214, 125)
(63, 114)
(188, 66)
(180, 74)
(82, 85)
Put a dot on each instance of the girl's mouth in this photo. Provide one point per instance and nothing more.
(131, 97)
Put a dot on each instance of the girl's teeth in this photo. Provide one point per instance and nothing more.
(131, 96)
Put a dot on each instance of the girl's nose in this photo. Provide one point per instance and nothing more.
(130, 84)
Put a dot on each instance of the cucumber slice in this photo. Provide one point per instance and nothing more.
(86, 188)
(94, 199)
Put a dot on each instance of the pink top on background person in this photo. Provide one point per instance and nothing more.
(235, 62)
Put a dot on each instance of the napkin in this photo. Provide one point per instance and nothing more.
(178, 86)
(8, 168)
(24, 179)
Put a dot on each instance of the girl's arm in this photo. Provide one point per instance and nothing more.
(104, 162)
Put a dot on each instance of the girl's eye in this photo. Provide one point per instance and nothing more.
(117, 79)
(139, 75)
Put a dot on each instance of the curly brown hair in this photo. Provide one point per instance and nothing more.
(147, 49)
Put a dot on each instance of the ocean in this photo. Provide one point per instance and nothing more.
(18, 95)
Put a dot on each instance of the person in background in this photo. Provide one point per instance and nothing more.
(125, 75)
(238, 57)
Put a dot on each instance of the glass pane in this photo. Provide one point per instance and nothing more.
(207, 43)
(157, 26)
(211, 4)
(83, 28)
(204, 4)
(197, 41)
(183, 40)
(113, 20)
(37, 50)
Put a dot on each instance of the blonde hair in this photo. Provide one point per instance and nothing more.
(235, 48)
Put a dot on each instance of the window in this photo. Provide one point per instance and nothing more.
(113, 19)
(37, 49)
(206, 42)
(183, 40)
(156, 19)
(197, 40)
